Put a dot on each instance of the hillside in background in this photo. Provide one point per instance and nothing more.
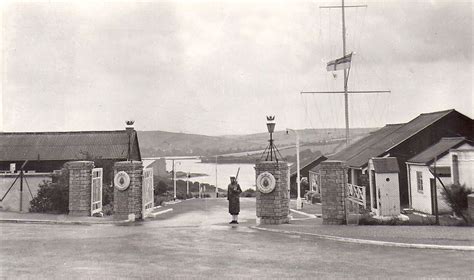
(161, 143)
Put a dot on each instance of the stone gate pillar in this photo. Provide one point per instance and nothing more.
(333, 192)
(80, 182)
(128, 189)
(272, 192)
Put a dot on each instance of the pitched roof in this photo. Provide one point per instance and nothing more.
(358, 154)
(438, 150)
(306, 162)
(78, 145)
(361, 151)
(385, 165)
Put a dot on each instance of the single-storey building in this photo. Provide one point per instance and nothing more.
(48, 151)
(305, 166)
(158, 165)
(403, 141)
(45, 152)
(438, 159)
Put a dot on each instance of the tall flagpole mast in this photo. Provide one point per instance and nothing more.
(346, 96)
(346, 71)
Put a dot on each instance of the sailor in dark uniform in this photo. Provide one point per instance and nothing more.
(233, 196)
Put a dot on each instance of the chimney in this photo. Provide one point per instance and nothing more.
(455, 169)
(129, 125)
(130, 130)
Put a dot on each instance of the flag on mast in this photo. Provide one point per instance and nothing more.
(340, 63)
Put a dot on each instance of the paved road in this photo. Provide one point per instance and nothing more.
(195, 241)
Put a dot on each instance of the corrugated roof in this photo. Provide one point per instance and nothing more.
(385, 165)
(64, 145)
(358, 154)
(438, 150)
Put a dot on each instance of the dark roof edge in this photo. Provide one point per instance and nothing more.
(361, 167)
(437, 112)
(442, 154)
(309, 163)
(61, 132)
(419, 130)
(394, 124)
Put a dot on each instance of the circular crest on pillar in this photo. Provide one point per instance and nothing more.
(266, 182)
(121, 180)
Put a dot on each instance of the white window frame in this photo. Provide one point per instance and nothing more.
(419, 181)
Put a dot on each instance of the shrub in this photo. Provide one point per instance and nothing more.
(108, 209)
(161, 187)
(183, 196)
(107, 195)
(159, 200)
(249, 193)
(51, 198)
(456, 198)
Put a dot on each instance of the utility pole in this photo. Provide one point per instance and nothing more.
(187, 184)
(346, 97)
(434, 194)
(346, 71)
(174, 181)
(217, 193)
(299, 203)
(21, 190)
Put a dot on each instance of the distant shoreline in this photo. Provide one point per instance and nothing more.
(230, 159)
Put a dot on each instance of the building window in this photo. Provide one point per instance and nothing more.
(419, 181)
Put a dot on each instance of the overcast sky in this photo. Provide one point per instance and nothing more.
(219, 67)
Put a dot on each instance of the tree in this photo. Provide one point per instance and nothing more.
(52, 197)
(456, 197)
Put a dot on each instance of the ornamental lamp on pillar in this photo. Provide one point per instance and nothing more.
(271, 124)
(272, 199)
(271, 127)
(271, 150)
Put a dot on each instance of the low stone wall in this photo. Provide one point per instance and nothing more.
(333, 192)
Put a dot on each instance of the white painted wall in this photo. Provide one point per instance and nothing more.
(389, 202)
(421, 201)
(388, 194)
(12, 200)
(466, 165)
